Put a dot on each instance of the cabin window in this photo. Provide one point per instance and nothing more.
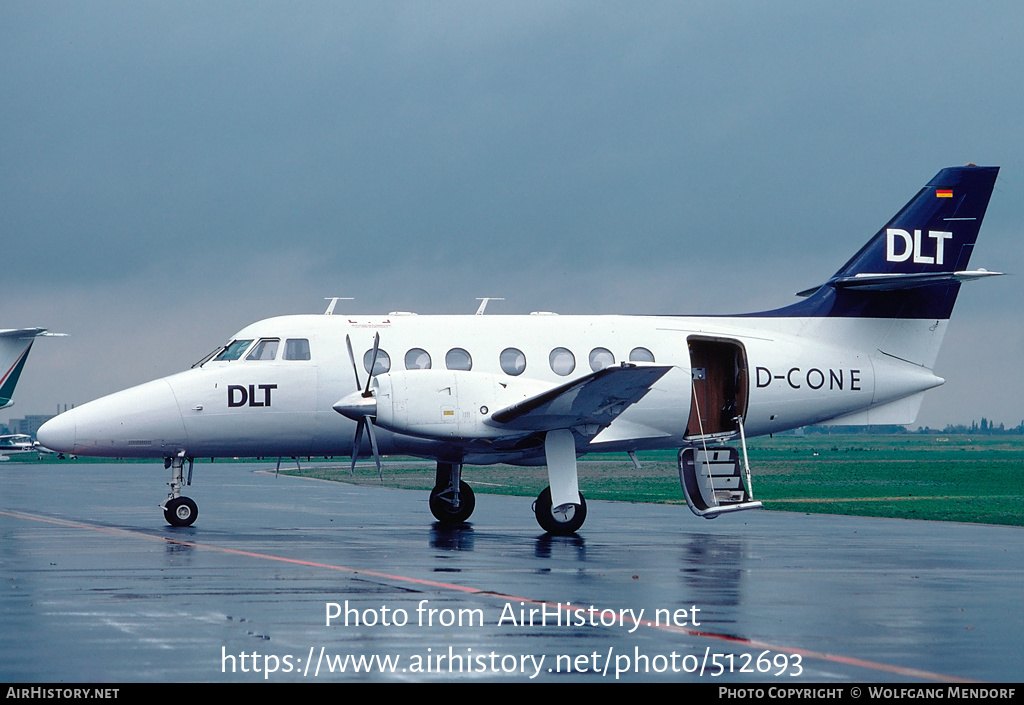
(417, 359)
(641, 355)
(266, 349)
(601, 358)
(513, 361)
(382, 364)
(296, 349)
(562, 361)
(458, 359)
(234, 350)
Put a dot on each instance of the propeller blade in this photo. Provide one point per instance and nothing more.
(362, 421)
(355, 444)
(373, 363)
(352, 358)
(373, 444)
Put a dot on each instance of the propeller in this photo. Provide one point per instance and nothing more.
(361, 407)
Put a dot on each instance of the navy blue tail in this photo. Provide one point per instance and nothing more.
(913, 267)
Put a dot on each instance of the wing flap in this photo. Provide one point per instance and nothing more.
(596, 399)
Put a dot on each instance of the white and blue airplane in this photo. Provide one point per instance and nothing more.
(546, 389)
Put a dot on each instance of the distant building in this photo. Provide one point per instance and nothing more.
(28, 425)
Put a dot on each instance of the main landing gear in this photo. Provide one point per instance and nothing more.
(562, 520)
(451, 501)
(179, 510)
(560, 509)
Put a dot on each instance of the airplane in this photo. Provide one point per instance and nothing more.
(19, 444)
(544, 389)
(15, 344)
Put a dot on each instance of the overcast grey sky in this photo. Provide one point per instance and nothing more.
(172, 171)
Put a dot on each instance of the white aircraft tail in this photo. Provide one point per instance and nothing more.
(15, 344)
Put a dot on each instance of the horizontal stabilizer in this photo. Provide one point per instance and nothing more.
(895, 282)
(595, 399)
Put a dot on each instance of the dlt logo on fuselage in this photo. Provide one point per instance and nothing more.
(239, 395)
(911, 245)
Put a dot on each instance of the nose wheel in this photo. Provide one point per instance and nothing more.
(178, 509)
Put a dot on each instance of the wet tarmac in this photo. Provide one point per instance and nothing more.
(97, 588)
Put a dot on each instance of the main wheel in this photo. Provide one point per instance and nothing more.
(562, 521)
(181, 511)
(443, 508)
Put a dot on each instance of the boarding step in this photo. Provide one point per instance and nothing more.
(713, 481)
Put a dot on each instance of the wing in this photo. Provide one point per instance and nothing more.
(596, 399)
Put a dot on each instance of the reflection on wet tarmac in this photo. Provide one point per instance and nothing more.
(97, 588)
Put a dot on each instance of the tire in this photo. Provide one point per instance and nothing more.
(561, 523)
(443, 510)
(181, 511)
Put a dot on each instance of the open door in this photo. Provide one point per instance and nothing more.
(719, 398)
(716, 478)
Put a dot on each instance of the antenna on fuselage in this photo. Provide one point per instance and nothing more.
(483, 303)
(334, 302)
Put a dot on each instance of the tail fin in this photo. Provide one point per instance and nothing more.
(14, 348)
(913, 267)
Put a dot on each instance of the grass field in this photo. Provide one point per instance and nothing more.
(943, 478)
(952, 478)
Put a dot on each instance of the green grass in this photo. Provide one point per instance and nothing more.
(912, 477)
(936, 477)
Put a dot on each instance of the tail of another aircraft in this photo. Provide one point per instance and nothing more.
(14, 347)
(912, 268)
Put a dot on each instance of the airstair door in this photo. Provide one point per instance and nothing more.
(719, 388)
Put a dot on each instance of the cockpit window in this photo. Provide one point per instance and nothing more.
(266, 349)
(296, 349)
(234, 350)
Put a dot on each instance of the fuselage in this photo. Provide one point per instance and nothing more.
(271, 391)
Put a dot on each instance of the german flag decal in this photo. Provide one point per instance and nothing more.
(944, 192)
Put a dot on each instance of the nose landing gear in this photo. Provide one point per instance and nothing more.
(178, 509)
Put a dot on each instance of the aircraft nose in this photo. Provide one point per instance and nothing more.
(58, 433)
(143, 421)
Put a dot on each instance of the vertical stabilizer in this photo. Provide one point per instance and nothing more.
(15, 345)
(913, 267)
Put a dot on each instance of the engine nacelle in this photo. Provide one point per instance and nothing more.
(448, 403)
